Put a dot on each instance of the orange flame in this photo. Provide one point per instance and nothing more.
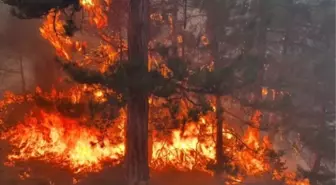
(63, 141)
(66, 142)
(96, 10)
(53, 30)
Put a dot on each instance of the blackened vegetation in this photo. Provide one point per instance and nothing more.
(32, 9)
(201, 82)
(224, 80)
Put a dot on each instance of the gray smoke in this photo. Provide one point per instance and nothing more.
(20, 40)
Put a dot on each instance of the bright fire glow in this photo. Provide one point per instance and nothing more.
(53, 30)
(51, 137)
(96, 10)
(62, 141)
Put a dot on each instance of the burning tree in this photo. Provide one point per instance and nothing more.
(308, 106)
(244, 63)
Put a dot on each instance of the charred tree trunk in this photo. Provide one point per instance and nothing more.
(45, 73)
(317, 163)
(314, 171)
(137, 170)
(22, 74)
(219, 116)
(287, 34)
(173, 33)
(136, 159)
(214, 31)
(219, 136)
(260, 44)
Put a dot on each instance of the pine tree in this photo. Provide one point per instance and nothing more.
(231, 72)
(136, 158)
(302, 93)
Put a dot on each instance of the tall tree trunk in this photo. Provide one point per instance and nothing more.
(219, 116)
(318, 157)
(288, 30)
(45, 73)
(22, 74)
(317, 163)
(260, 43)
(214, 31)
(174, 29)
(219, 136)
(136, 158)
(137, 170)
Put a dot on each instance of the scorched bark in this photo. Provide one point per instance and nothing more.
(136, 159)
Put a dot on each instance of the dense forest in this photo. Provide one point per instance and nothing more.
(231, 91)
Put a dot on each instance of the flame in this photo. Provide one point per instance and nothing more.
(257, 163)
(290, 178)
(66, 142)
(156, 17)
(204, 40)
(96, 11)
(53, 30)
(179, 39)
(63, 141)
(264, 92)
(182, 151)
(51, 137)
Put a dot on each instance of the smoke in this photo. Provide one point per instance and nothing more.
(20, 39)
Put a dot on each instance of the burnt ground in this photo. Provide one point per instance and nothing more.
(46, 174)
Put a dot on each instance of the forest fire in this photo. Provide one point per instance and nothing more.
(73, 143)
(64, 141)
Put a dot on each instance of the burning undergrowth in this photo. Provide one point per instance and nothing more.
(46, 134)
(62, 141)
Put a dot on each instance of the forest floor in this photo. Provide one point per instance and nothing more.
(46, 174)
